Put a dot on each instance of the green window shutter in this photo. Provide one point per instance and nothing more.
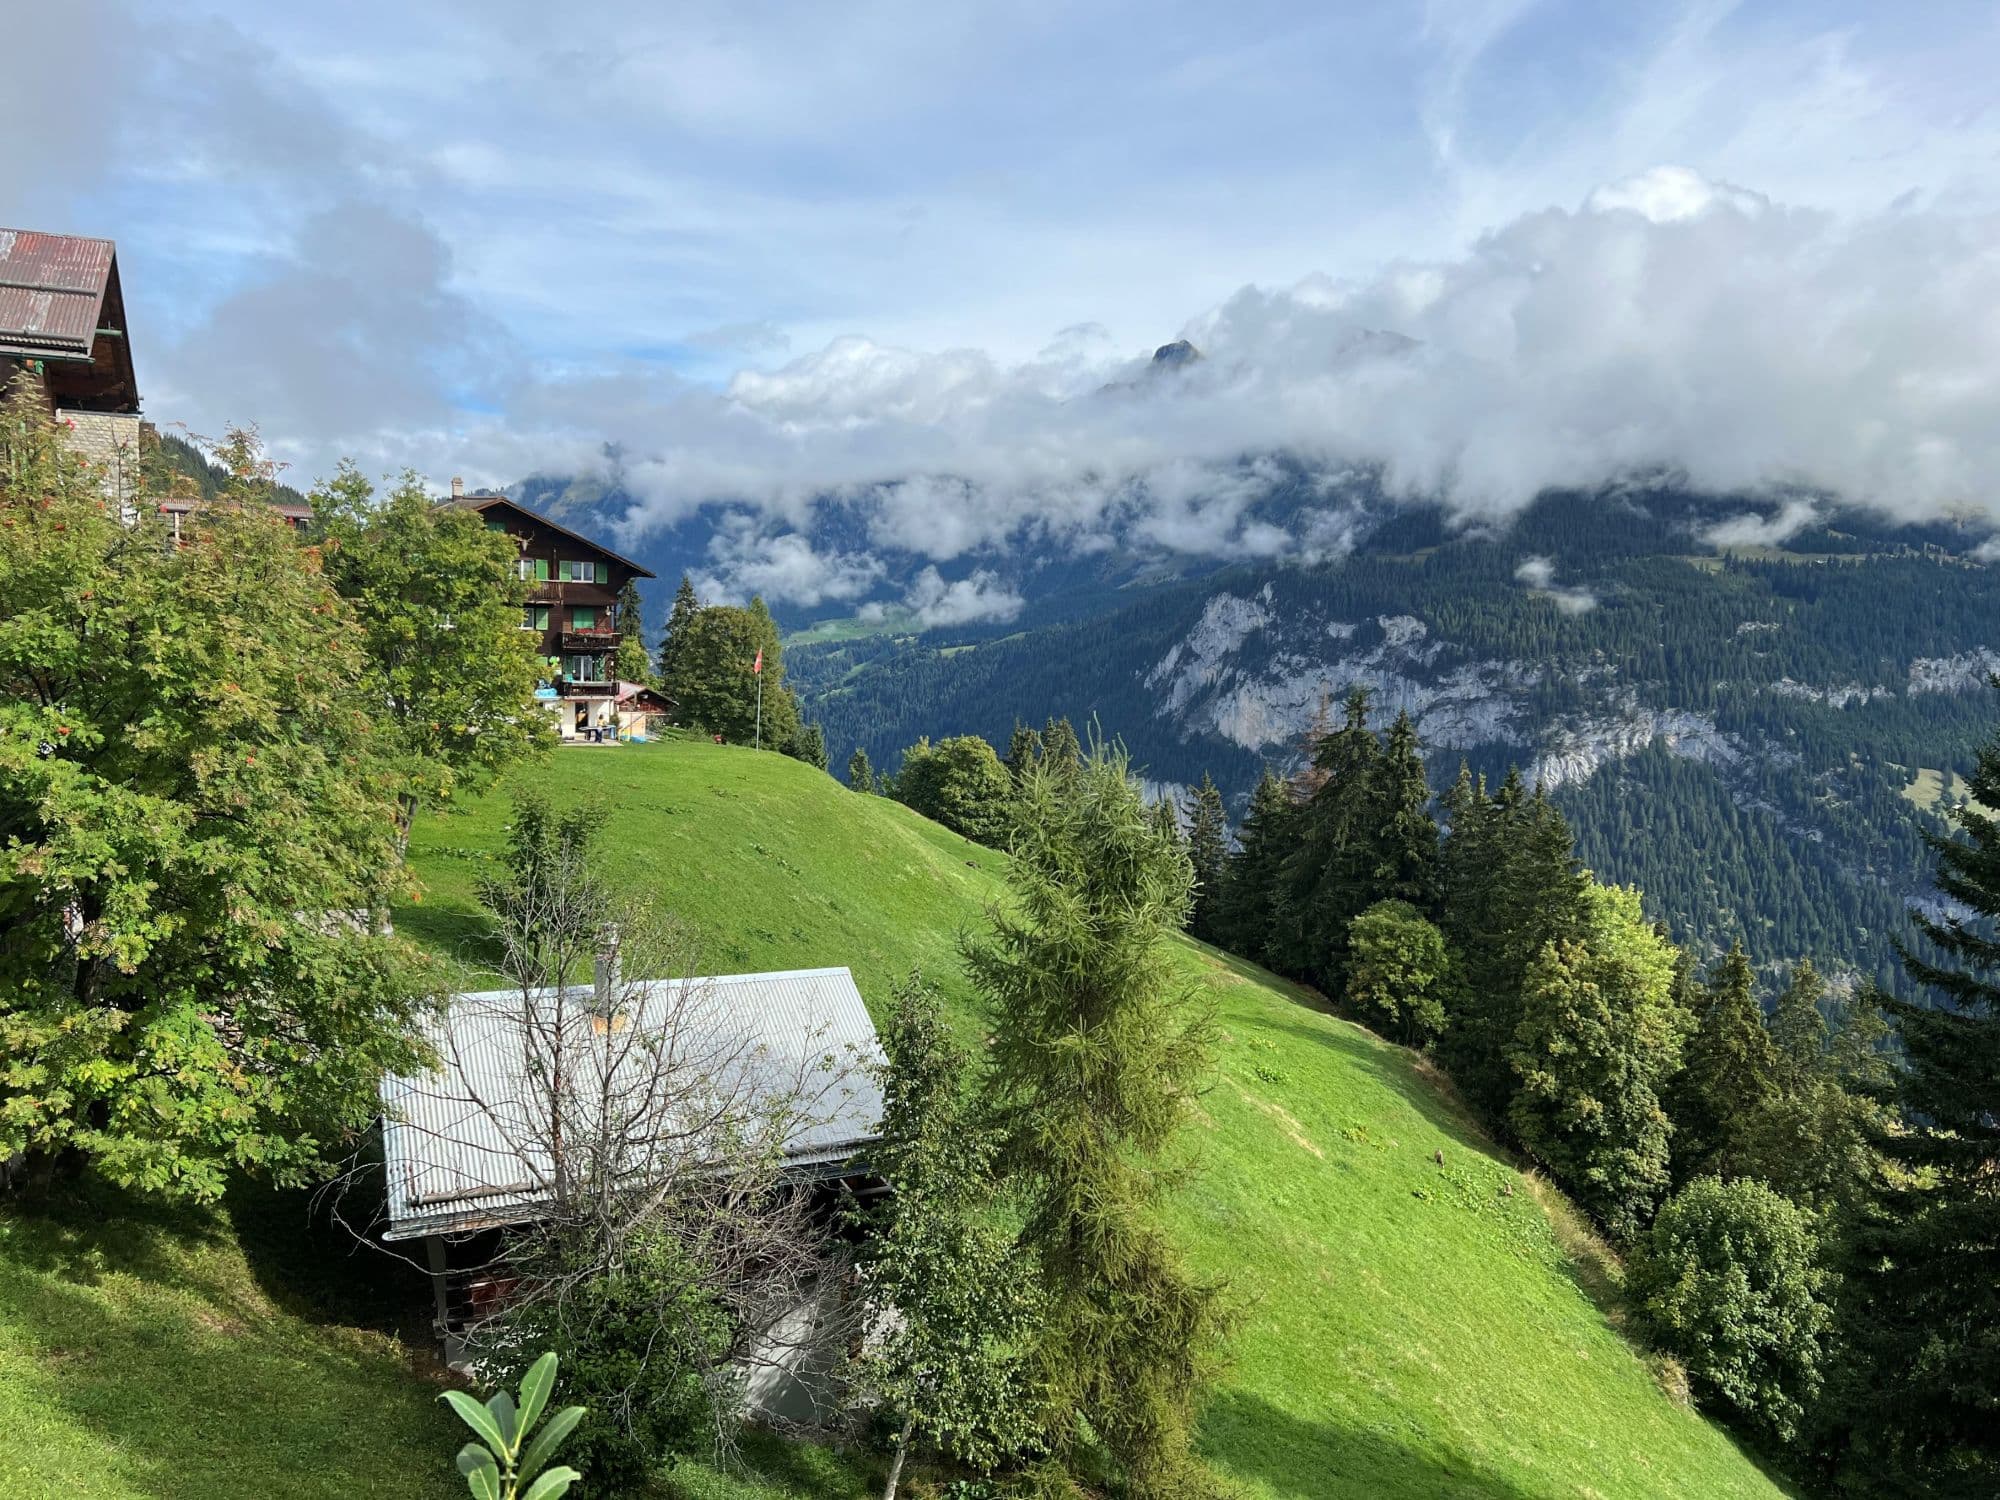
(582, 617)
(604, 572)
(541, 570)
(541, 617)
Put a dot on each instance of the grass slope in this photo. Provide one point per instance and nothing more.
(143, 1352)
(1409, 1329)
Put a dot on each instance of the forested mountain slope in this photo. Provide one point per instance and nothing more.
(1411, 1328)
(1757, 736)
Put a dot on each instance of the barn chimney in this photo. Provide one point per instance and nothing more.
(605, 972)
(457, 488)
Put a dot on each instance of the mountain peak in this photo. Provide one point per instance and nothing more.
(1172, 356)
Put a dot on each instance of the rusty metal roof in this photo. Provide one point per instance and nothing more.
(52, 290)
(461, 1145)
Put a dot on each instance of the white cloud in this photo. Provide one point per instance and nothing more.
(974, 600)
(1753, 530)
(1539, 574)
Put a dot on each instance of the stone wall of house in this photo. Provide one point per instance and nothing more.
(109, 444)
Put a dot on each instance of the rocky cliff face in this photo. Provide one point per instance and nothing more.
(1255, 676)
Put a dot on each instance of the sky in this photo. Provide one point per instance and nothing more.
(751, 254)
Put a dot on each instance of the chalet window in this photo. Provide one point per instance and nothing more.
(577, 570)
(535, 617)
(524, 568)
(583, 617)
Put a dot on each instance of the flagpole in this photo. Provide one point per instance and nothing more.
(760, 710)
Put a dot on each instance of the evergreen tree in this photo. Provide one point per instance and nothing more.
(1405, 854)
(1731, 1072)
(1798, 1029)
(1060, 747)
(860, 775)
(1928, 1262)
(1327, 878)
(1166, 815)
(632, 663)
(1023, 750)
(1599, 1036)
(808, 744)
(1098, 1057)
(674, 638)
(1247, 910)
(1208, 852)
(1530, 894)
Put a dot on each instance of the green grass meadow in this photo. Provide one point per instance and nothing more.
(1409, 1328)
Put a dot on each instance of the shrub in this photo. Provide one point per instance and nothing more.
(1728, 1280)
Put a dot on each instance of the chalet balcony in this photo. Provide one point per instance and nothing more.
(598, 638)
(582, 687)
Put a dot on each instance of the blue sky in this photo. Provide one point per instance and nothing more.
(492, 237)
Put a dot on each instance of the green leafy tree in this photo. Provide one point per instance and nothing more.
(510, 1460)
(1248, 909)
(196, 818)
(1399, 971)
(1729, 1280)
(960, 783)
(1927, 1309)
(439, 611)
(1097, 1059)
(713, 681)
(1208, 852)
(948, 1284)
(1731, 1073)
(860, 775)
(672, 640)
(1599, 1036)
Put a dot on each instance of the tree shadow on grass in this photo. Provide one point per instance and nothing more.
(1251, 1440)
(137, 1331)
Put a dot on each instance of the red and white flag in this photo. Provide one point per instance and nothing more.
(757, 666)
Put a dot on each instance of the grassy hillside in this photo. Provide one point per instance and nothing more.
(168, 1353)
(1410, 1328)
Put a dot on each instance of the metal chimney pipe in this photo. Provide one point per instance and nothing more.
(604, 972)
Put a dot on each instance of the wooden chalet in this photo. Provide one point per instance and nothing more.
(569, 599)
(62, 319)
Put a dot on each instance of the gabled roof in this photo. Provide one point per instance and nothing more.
(52, 289)
(484, 503)
(462, 1152)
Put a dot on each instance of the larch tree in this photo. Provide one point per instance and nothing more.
(197, 815)
(1098, 1056)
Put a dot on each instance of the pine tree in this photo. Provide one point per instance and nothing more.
(1798, 1029)
(673, 640)
(1060, 747)
(1208, 852)
(1023, 750)
(1248, 907)
(1928, 1295)
(1328, 875)
(1732, 1071)
(1166, 815)
(1520, 860)
(1098, 1056)
(808, 744)
(1405, 834)
(860, 775)
(630, 613)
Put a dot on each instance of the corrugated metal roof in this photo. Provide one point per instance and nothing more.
(51, 291)
(463, 1149)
